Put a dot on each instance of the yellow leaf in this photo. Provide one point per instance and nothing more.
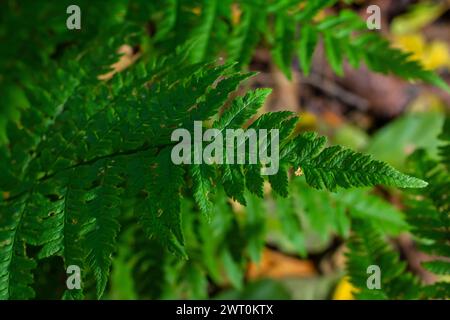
(236, 13)
(344, 290)
(418, 17)
(413, 43)
(436, 56)
(432, 55)
(197, 11)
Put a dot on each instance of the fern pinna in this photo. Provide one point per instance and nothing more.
(85, 167)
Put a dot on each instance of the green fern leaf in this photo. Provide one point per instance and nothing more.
(204, 30)
(335, 166)
(279, 182)
(234, 183)
(366, 249)
(242, 109)
(104, 208)
(253, 180)
(15, 267)
(334, 53)
(202, 176)
(308, 43)
(438, 267)
(283, 49)
(444, 151)
(160, 215)
(429, 213)
(291, 224)
(247, 33)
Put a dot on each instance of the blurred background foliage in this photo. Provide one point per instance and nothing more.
(301, 253)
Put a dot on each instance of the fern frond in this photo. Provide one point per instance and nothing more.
(429, 213)
(439, 290)
(346, 35)
(332, 167)
(310, 218)
(284, 43)
(104, 207)
(382, 214)
(203, 31)
(247, 32)
(242, 110)
(109, 147)
(308, 42)
(439, 267)
(202, 176)
(160, 215)
(445, 148)
(368, 248)
(15, 267)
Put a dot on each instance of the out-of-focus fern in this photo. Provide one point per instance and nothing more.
(315, 216)
(429, 220)
(429, 212)
(346, 36)
(289, 28)
(368, 248)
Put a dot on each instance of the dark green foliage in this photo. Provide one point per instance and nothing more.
(77, 191)
(212, 26)
(310, 215)
(368, 248)
(85, 169)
